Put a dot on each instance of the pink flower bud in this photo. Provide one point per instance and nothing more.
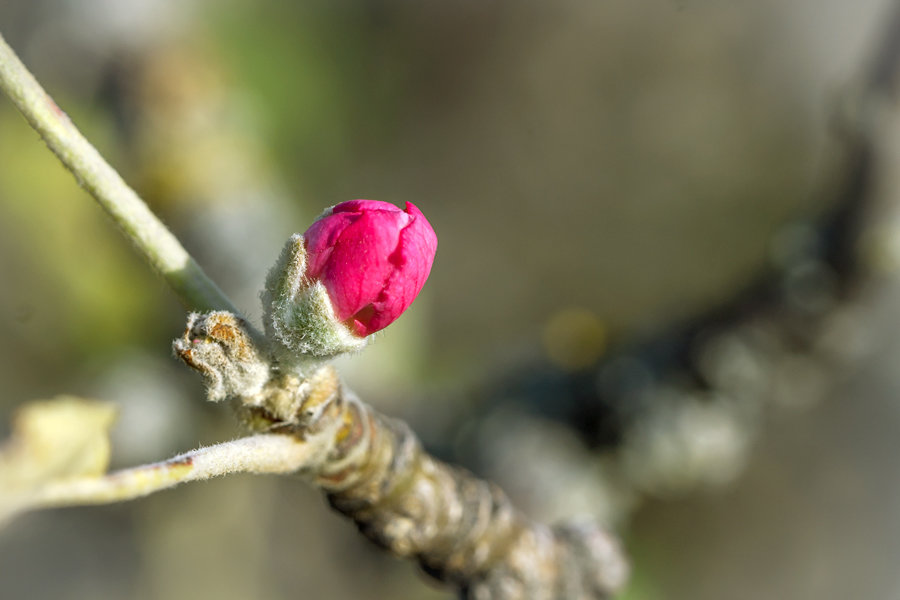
(373, 260)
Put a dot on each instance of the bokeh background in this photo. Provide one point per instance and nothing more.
(594, 170)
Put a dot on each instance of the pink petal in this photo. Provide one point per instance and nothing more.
(372, 258)
(412, 260)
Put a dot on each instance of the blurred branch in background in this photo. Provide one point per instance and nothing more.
(683, 409)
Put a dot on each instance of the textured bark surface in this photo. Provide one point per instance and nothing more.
(462, 530)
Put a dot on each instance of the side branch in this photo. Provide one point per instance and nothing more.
(154, 241)
(263, 453)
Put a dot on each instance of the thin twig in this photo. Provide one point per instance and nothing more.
(153, 240)
(262, 453)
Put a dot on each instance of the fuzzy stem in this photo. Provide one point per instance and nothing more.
(263, 453)
(153, 240)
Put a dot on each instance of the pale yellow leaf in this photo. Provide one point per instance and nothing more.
(51, 441)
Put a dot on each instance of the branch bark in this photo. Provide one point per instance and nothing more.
(461, 529)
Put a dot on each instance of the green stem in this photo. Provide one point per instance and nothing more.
(153, 240)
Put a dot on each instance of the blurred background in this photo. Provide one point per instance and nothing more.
(602, 176)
